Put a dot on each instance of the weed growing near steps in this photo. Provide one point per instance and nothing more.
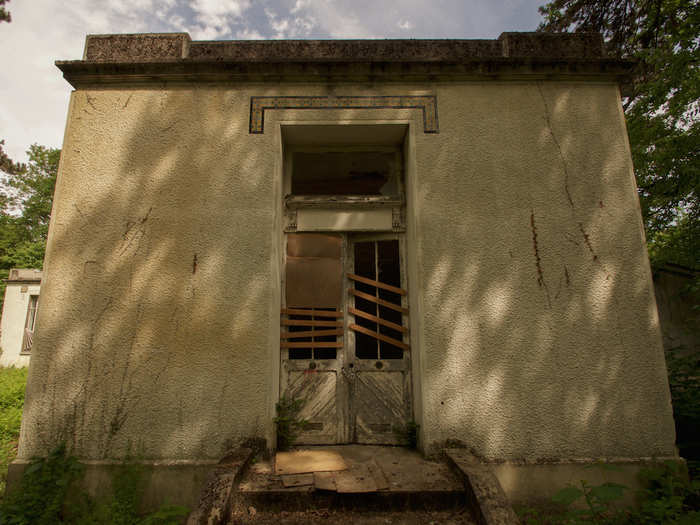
(288, 423)
(669, 498)
(12, 384)
(49, 495)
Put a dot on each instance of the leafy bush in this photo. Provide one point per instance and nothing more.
(49, 495)
(45, 484)
(668, 498)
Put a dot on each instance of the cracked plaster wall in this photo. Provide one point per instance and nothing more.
(158, 330)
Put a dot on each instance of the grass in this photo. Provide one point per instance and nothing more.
(12, 383)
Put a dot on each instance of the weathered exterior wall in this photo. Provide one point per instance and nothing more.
(538, 333)
(14, 317)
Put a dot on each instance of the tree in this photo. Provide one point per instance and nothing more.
(662, 107)
(25, 209)
(23, 236)
(4, 13)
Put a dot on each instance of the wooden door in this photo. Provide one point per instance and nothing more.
(344, 337)
(312, 330)
(377, 346)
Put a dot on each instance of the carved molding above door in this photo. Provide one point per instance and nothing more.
(426, 103)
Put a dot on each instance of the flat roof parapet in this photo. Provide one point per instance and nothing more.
(24, 275)
(174, 57)
(178, 46)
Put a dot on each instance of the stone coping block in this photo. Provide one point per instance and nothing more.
(214, 504)
(120, 48)
(491, 507)
(136, 47)
(174, 57)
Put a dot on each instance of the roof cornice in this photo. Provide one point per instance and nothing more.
(173, 57)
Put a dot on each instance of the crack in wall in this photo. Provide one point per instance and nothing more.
(556, 143)
(538, 262)
(587, 240)
(91, 101)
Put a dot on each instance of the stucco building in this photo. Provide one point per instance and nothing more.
(19, 310)
(444, 232)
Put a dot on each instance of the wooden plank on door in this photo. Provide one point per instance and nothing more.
(380, 302)
(379, 336)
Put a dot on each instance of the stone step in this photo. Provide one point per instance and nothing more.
(368, 482)
(372, 477)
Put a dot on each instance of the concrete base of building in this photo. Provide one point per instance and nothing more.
(165, 482)
(533, 483)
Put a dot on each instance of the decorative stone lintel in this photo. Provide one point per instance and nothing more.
(338, 202)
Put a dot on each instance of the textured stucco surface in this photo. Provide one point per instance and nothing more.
(538, 330)
(14, 318)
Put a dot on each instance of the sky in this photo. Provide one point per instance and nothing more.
(34, 96)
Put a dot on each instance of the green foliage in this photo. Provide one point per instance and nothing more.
(12, 383)
(49, 494)
(4, 13)
(25, 209)
(287, 421)
(6, 163)
(678, 244)
(599, 502)
(661, 107)
(23, 237)
(408, 433)
(669, 498)
(44, 488)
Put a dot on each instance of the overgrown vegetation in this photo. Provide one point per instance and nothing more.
(668, 498)
(12, 383)
(287, 421)
(50, 494)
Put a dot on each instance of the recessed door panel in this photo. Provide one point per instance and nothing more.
(318, 390)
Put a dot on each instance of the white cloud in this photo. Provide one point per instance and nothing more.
(406, 25)
(216, 17)
(249, 34)
(293, 27)
(299, 5)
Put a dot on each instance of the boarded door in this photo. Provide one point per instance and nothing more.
(344, 339)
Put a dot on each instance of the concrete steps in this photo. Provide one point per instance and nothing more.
(391, 484)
